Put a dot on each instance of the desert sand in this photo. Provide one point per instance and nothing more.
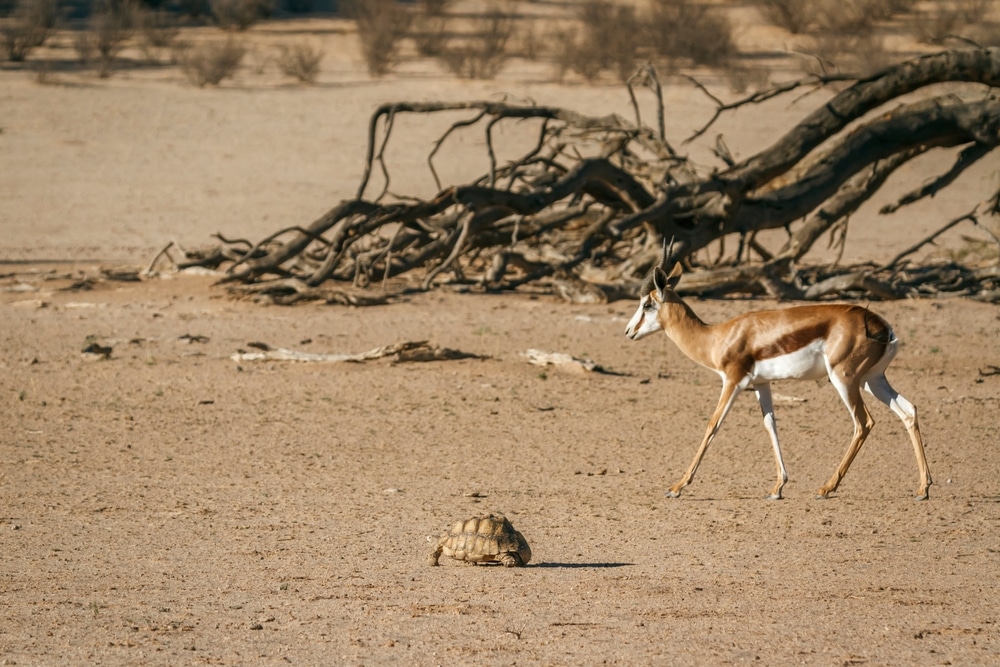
(171, 505)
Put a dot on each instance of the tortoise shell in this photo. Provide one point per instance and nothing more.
(484, 539)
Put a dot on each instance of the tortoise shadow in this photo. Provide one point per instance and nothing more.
(583, 565)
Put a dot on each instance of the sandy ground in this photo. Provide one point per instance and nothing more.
(170, 505)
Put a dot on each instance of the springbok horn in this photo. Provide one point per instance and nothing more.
(647, 282)
(668, 253)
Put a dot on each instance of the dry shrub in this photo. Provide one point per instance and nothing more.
(974, 11)
(741, 79)
(429, 34)
(29, 26)
(949, 19)
(529, 43)
(858, 54)
(300, 61)
(484, 55)
(795, 16)
(158, 30)
(381, 25)
(684, 29)
(846, 16)
(43, 73)
(435, 7)
(570, 55)
(239, 14)
(608, 40)
(211, 62)
(109, 27)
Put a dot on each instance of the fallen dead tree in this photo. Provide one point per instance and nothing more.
(584, 211)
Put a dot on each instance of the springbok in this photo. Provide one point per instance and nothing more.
(850, 344)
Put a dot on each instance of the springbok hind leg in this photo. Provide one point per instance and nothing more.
(850, 393)
(880, 388)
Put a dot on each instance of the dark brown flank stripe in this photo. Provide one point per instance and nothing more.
(793, 342)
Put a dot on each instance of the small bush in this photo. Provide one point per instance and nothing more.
(741, 79)
(609, 40)
(108, 28)
(483, 56)
(29, 26)
(43, 73)
(529, 44)
(381, 25)
(795, 16)
(429, 34)
(974, 11)
(570, 55)
(239, 14)
(300, 61)
(949, 20)
(435, 7)
(210, 63)
(157, 30)
(85, 45)
(859, 54)
(690, 30)
(851, 16)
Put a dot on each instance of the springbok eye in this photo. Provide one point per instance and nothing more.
(649, 305)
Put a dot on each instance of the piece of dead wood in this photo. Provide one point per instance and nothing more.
(407, 351)
(989, 370)
(596, 195)
(434, 353)
(566, 361)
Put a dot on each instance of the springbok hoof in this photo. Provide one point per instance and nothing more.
(774, 496)
(672, 494)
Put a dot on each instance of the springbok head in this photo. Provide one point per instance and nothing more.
(653, 292)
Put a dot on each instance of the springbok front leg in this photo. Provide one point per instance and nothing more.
(730, 390)
(767, 409)
(880, 388)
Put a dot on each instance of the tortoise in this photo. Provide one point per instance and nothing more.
(484, 539)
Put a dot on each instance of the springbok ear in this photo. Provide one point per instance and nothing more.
(662, 281)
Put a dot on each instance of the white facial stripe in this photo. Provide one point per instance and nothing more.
(644, 322)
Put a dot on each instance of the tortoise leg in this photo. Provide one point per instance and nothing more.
(510, 559)
(433, 558)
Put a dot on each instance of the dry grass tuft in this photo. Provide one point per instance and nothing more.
(484, 54)
(158, 31)
(950, 19)
(609, 39)
(795, 16)
(381, 25)
(210, 63)
(28, 27)
(240, 14)
(299, 61)
(688, 30)
(109, 27)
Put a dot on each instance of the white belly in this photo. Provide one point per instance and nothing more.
(808, 363)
